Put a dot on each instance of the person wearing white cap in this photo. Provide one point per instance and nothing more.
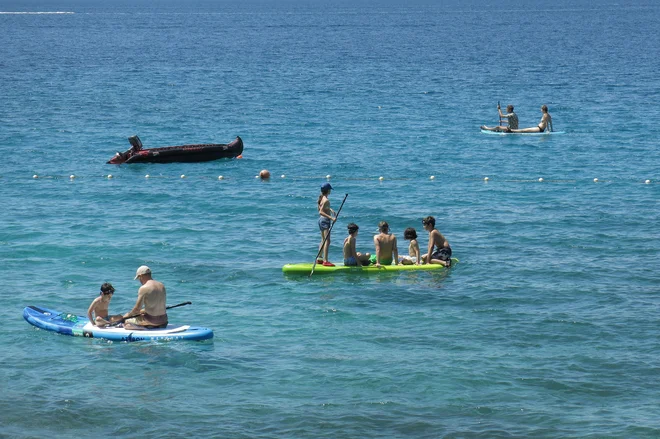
(151, 303)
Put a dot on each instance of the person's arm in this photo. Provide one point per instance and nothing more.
(90, 312)
(430, 249)
(137, 309)
(377, 244)
(354, 251)
(395, 250)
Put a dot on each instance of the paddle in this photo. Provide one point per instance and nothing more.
(123, 319)
(499, 113)
(326, 236)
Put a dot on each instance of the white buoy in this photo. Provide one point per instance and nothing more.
(486, 178)
(35, 176)
(328, 176)
(220, 177)
(595, 180)
(648, 182)
(381, 178)
(283, 176)
(379, 107)
(146, 176)
(432, 177)
(109, 175)
(540, 179)
(72, 176)
(183, 175)
(256, 176)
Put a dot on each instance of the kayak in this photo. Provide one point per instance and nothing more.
(71, 324)
(306, 268)
(504, 133)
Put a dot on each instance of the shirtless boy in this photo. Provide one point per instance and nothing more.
(150, 306)
(351, 256)
(385, 242)
(98, 310)
(439, 251)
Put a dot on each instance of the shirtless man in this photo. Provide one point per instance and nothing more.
(150, 303)
(546, 123)
(385, 242)
(510, 116)
(439, 251)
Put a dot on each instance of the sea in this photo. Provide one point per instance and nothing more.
(547, 327)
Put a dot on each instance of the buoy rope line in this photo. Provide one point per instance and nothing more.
(73, 177)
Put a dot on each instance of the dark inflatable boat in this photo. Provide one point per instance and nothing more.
(183, 153)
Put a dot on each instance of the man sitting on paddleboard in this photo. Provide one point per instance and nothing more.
(510, 116)
(149, 310)
(386, 249)
(546, 123)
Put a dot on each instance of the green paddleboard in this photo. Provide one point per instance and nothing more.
(306, 268)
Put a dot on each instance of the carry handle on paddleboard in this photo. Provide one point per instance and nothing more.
(123, 319)
(326, 236)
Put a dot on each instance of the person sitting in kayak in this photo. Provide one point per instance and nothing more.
(386, 249)
(546, 123)
(149, 310)
(352, 257)
(413, 257)
(439, 251)
(510, 116)
(98, 310)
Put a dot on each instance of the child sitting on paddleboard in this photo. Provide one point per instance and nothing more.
(353, 258)
(439, 251)
(413, 257)
(99, 308)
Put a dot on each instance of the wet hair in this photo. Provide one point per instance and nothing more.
(383, 226)
(509, 108)
(107, 288)
(544, 108)
(429, 220)
(352, 228)
(410, 233)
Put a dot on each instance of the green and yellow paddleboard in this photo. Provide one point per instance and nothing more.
(306, 268)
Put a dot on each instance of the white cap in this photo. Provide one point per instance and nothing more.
(142, 270)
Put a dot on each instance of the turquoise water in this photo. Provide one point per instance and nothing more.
(548, 326)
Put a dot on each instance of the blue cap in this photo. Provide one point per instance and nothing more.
(326, 186)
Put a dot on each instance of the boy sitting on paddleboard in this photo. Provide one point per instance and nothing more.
(386, 249)
(353, 258)
(439, 250)
(98, 310)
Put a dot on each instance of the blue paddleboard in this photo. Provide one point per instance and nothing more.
(71, 324)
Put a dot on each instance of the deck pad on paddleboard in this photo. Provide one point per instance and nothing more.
(71, 324)
(306, 268)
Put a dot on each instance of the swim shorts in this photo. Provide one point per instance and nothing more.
(350, 262)
(444, 254)
(373, 259)
(324, 223)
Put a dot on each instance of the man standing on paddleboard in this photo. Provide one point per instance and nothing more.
(149, 310)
